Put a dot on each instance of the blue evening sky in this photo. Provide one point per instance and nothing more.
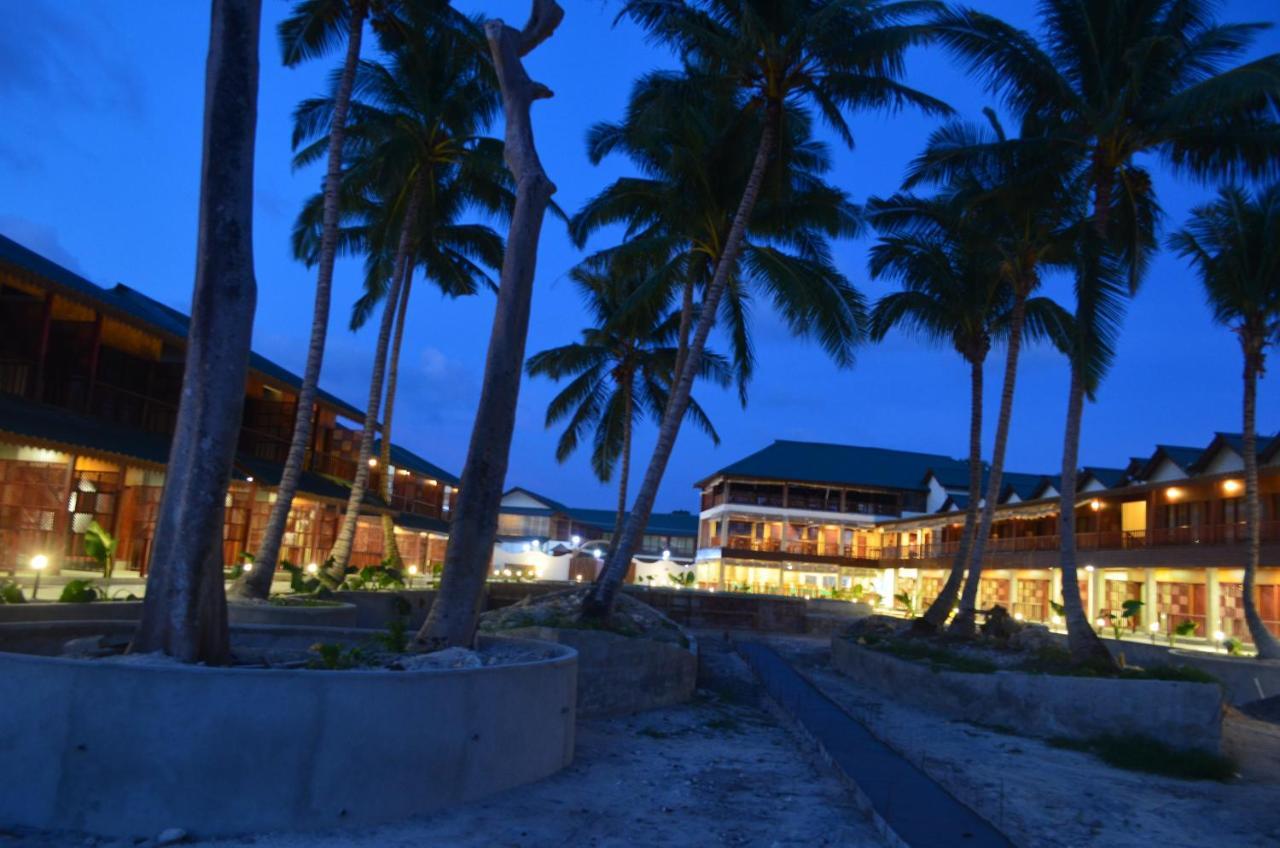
(99, 156)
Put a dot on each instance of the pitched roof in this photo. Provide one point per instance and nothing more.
(1025, 486)
(678, 523)
(407, 459)
(1109, 477)
(842, 465)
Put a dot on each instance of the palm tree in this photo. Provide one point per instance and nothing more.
(415, 161)
(953, 293)
(835, 54)
(184, 614)
(1234, 244)
(622, 370)
(1020, 201)
(314, 27)
(1116, 80)
(452, 620)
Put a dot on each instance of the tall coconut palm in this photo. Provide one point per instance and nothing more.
(1119, 79)
(415, 129)
(834, 54)
(184, 614)
(314, 27)
(1234, 244)
(953, 293)
(621, 371)
(1020, 201)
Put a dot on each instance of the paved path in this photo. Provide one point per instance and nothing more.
(911, 804)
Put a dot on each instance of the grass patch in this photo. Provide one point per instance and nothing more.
(1147, 754)
(1057, 661)
(938, 659)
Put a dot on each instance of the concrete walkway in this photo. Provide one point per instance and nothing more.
(907, 804)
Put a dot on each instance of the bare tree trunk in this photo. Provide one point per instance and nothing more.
(938, 611)
(1085, 646)
(452, 621)
(184, 613)
(341, 553)
(257, 582)
(604, 592)
(686, 324)
(1267, 645)
(390, 550)
(963, 623)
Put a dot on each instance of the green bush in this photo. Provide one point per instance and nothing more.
(80, 592)
(11, 593)
(939, 659)
(1137, 752)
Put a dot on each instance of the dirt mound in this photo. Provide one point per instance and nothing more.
(564, 610)
(1267, 709)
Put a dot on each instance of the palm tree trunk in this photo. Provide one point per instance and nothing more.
(452, 621)
(624, 468)
(686, 324)
(390, 550)
(257, 582)
(341, 554)
(1085, 646)
(1267, 645)
(938, 611)
(963, 623)
(599, 602)
(184, 613)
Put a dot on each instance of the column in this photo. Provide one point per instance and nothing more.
(916, 593)
(1212, 603)
(893, 587)
(1097, 592)
(1149, 598)
(1055, 589)
(1013, 591)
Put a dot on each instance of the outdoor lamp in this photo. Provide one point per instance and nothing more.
(413, 569)
(666, 554)
(599, 554)
(577, 540)
(247, 567)
(312, 568)
(1153, 627)
(39, 563)
(1218, 636)
(1089, 568)
(525, 547)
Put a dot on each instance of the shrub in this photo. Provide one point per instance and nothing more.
(11, 593)
(939, 659)
(80, 592)
(1137, 752)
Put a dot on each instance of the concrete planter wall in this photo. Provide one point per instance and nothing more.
(95, 611)
(124, 750)
(619, 675)
(1185, 715)
(293, 614)
(376, 609)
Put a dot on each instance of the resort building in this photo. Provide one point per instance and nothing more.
(540, 538)
(812, 519)
(89, 387)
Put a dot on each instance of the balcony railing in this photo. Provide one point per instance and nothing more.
(801, 547)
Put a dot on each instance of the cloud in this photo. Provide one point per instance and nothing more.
(41, 238)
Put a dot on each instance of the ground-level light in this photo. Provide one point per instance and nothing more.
(666, 554)
(39, 563)
(312, 568)
(1017, 616)
(247, 567)
(599, 554)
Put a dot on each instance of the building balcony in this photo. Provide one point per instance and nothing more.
(797, 550)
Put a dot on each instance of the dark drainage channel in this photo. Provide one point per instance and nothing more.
(904, 800)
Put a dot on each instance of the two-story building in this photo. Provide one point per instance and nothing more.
(89, 386)
(1167, 529)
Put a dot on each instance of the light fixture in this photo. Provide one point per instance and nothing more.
(39, 563)
(1173, 493)
(506, 572)
(312, 568)
(1056, 620)
(1231, 487)
(666, 554)
(1218, 635)
(1089, 568)
(413, 569)
(373, 463)
(431, 483)
(525, 547)
(1101, 622)
(247, 567)
(578, 578)
(1017, 616)
(577, 540)
(1095, 504)
(249, 479)
(1154, 627)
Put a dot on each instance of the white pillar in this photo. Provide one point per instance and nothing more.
(1055, 589)
(1149, 597)
(1013, 591)
(1097, 589)
(1212, 602)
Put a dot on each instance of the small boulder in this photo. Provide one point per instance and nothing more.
(448, 658)
(999, 625)
(1031, 638)
(171, 836)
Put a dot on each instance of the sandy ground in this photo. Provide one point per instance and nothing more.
(1044, 797)
(718, 772)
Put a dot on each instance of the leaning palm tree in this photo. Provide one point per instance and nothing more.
(1234, 244)
(953, 293)
(1117, 80)
(415, 161)
(184, 614)
(621, 371)
(310, 31)
(1020, 201)
(837, 55)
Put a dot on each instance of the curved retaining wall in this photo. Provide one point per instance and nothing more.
(131, 749)
(297, 615)
(377, 609)
(1185, 715)
(619, 675)
(94, 611)
(292, 614)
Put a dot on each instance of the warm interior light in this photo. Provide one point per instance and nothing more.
(39, 562)
(1231, 487)
(312, 568)
(1095, 504)
(373, 463)
(413, 569)
(1173, 493)
(431, 482)
(1153, 627)
(1017, 616)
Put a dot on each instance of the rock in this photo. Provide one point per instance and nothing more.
(1031, 638)
(448, 658)
(1000, 625)
(171, 836)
